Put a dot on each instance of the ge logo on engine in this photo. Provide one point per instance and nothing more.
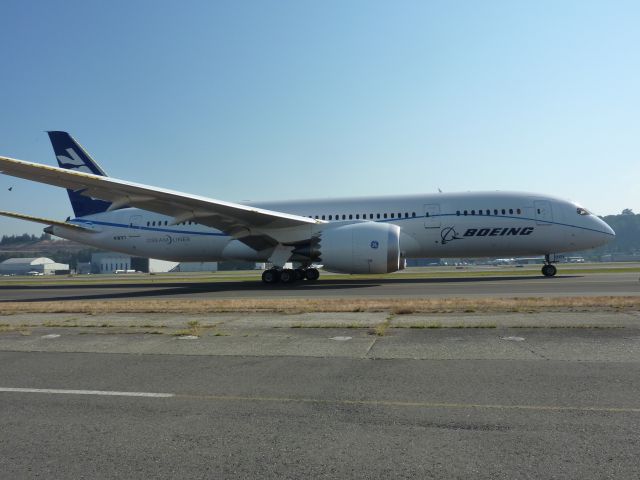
(374, 244)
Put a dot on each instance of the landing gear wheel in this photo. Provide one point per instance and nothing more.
(312, 274)
(270, 276)
(549, 270)
(299, 274)
(287, 276)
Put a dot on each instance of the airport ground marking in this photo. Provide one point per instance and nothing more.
(57, 391)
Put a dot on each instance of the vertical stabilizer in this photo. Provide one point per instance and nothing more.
(72, 156)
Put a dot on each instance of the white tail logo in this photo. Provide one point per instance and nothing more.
(73, 161)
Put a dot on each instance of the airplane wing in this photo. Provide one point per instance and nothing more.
(46, 221)
(238, 220)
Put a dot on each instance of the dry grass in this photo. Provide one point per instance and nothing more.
(380, 329)
(290, 306)
(194, 327)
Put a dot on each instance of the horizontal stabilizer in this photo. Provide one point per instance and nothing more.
(46, 221)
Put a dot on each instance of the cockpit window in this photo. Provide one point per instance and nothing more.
(583, 211)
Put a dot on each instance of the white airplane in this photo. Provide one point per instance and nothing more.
(349, 235)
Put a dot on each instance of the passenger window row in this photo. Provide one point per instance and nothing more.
(364, 216)
(488, 211)
(372, 216)
(166, 223)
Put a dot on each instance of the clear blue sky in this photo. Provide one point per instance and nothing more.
(289, 99)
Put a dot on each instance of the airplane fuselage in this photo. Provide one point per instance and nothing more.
(474, 224)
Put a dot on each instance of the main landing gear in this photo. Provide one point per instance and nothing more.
(548, 269)
(289, 275)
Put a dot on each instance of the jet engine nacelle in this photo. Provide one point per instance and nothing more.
(366, 247)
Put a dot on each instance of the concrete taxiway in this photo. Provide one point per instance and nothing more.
(248, 400)
(587, 284)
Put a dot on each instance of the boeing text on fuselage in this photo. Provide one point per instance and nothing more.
(498, 231)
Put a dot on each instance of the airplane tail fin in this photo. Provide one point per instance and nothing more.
(72, 156)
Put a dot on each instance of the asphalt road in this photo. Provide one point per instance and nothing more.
(587, 284)
(528, 414)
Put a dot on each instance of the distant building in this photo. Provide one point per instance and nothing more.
(83, 268)
(240, 265)
(110, 262)
(196, 267)
(107, 262)
(529, 260)
(161, 266)
(620, 257)
(32, 266)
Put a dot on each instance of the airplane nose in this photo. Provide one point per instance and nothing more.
(610, 230)
(607, 233)
(607, 229)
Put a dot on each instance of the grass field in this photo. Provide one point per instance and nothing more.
(288, 306)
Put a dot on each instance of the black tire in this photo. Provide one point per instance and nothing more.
(287, 276)
(549, 270)
(299, 274)
(270, 276)
(312, 274)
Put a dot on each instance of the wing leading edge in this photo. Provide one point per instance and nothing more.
(232, 218)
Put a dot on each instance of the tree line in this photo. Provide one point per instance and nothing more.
(627, 228)
(24, 238)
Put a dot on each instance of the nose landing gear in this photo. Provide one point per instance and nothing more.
(548, 269)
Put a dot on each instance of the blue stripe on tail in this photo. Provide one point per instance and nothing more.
(72, 156)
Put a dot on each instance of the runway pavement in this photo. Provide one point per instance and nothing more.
(587, 284)
(447, 403)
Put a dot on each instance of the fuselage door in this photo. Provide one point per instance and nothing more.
(135, 221)
(543, 212)
(432, 216)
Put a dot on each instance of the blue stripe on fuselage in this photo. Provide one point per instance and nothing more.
(151, 229)
(388, 220)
